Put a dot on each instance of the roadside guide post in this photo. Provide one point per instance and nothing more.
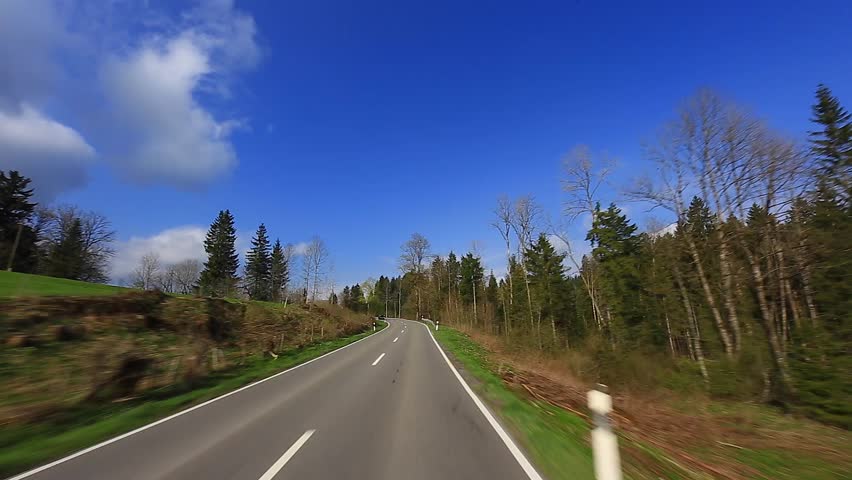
(437, 324)
(374, 326)
(604, 441)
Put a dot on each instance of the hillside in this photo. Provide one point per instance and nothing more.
(13, 284)
(67, 362)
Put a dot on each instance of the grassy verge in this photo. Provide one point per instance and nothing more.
(556, 440)
(25, 446)
(14, 284)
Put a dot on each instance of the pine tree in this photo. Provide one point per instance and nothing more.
(279, 273)
(699, 221)
(832, 146)
(546, 273)
(344, 297)
(356, 298)
(615, 249)
(220, 270)
(66, 260)
(259, 266)
(471, 274)
(16, 210)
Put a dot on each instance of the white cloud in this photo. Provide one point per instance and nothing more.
(172, 245)
(142, 84)
(171, 137)
(53, 155)
(300, 248)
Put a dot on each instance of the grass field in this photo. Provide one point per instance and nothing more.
(25, 446)
(14, 284)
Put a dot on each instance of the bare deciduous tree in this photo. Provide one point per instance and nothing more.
(525, 218)
(186, 274)
(414, 252)
(583, 178)
(145, 275)
(98, 237)
(503, 223)
(732, 162)
(314, 266)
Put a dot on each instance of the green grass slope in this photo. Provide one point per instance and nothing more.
(14, 284)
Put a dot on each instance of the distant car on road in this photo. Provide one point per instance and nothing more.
(381, 317)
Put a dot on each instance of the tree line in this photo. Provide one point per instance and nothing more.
(747, 291)
(68, 242)
(60, 241)
(267, 269)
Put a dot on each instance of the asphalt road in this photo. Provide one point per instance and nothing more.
(387, 407)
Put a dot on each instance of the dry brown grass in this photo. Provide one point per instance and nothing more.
(697, 435)
(58, 351)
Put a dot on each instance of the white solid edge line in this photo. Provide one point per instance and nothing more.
(510, 444)
(395, 339)
(279, 464)
(175, 415)
(378, 359)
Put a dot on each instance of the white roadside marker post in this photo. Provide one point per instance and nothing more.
(437, 323)
(604, 441)
(374, 326)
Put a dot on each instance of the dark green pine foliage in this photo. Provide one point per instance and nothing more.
(453, 273)
(821, 359)
(616, 249)
(492, 292)
(699, 222)
(471, 274)
(832, 145)
(519, 309)
(220, 270)
(66, 260)
(279, 273)
(345, 297)
(356, 298)
(16, 211)
(259, 267)
(546, 273)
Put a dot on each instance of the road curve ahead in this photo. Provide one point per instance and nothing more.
(387, 407)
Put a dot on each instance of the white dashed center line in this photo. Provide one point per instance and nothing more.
(277, 466)
(378, 359)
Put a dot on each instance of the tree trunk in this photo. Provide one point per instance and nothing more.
(669, 330)
(711, 300)
(475, 320)
(775, 347)
(727, 282)
(695, 332)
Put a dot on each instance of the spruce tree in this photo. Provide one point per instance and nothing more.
(471, 274)
(16, 210)
(616, 249)
(832, 145)
(220, 270)
(356, 298)
(279, 273)
(259, 266)
(345, 298)
(546, 273)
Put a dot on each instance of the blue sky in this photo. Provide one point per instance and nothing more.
(363, 122)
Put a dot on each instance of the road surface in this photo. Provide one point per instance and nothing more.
(386, 407)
